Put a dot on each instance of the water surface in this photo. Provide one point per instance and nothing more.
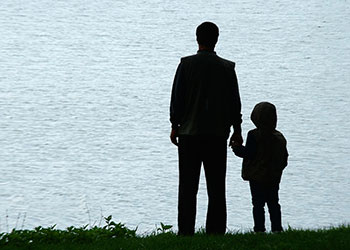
(84, 99)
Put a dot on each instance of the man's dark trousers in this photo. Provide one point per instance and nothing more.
(212, 152)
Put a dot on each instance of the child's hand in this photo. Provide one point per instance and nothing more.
(235, 144)
(237, 149)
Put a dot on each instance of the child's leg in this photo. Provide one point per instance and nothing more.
(274, 208)
(258, 200)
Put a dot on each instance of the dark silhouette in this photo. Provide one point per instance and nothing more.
(205, 103)
(264, 158)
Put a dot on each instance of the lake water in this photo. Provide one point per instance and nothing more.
(84, 107)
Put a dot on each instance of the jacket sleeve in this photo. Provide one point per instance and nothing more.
(285, 158)
(236, 104)
(249, 150)
(177, 101)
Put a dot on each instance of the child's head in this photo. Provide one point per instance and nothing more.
(264, 116)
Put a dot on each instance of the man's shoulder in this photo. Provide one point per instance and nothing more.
(199, 57)
(227, 62)
(188, 58)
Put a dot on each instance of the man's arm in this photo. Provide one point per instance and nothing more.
(236, 137)
(177, 103)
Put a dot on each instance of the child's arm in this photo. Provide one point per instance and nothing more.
(248, 151)
(239, 150)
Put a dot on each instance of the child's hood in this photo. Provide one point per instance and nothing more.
(264, 116)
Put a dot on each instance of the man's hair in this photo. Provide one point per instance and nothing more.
(207, 34)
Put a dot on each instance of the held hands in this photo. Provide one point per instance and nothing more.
(236, 140)
(174, 137)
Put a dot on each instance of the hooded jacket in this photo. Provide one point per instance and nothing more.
(267, 147)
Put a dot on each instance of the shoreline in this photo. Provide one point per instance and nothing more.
(118, 236)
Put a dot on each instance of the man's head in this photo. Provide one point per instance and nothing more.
(207, 35)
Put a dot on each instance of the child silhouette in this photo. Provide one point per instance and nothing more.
(264, 158)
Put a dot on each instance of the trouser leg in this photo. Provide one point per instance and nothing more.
(274, 208)
(258, 200)
(189, 172)
(214, 161)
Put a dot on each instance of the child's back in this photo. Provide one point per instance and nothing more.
(270, 158)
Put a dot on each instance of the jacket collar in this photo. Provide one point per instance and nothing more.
(206, 52)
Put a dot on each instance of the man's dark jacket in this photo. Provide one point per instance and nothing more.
(205, 97)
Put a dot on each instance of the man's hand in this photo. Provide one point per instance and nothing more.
(236, 140)
(174, 137)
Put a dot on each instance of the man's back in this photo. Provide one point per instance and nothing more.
(208, 99)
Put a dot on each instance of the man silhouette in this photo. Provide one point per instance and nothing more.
(205, 103)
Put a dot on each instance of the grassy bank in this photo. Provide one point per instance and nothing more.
(117, 236)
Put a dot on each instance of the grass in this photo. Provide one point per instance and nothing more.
(117, 236)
